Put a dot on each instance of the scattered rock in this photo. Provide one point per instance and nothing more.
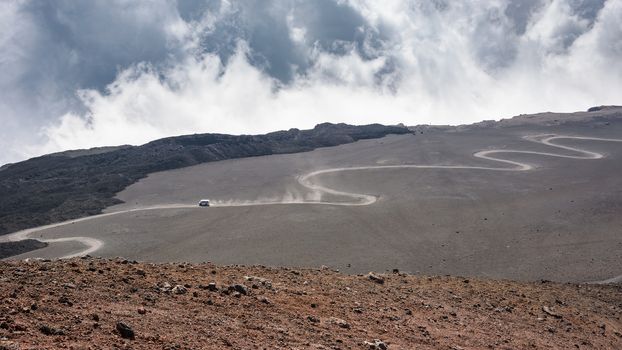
(313, 319)
(339, 322)
(47, 330)
(264, 300)
(240, 288)
(164, 287)
(550, 312)
(375, 278)
(125, 330)
(375, 344)
(65, 300)
(179, 289)
(439, 311)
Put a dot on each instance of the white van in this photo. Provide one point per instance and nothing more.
(204, 203)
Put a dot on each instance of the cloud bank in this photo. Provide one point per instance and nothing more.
(85, 74)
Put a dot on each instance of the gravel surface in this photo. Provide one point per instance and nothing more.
(119, 304)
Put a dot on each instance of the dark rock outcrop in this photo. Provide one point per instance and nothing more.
(15, 248)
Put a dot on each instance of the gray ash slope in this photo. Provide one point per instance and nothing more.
(559, 221)
(64, 186)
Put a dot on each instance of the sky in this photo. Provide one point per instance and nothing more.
(80, 74)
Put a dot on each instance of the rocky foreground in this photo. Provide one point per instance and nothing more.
(102, 304)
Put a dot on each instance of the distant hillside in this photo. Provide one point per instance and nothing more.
(73, 184)
(601, 114)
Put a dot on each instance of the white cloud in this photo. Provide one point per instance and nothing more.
(439, 62)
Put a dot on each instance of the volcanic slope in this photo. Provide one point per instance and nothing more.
(559, 220)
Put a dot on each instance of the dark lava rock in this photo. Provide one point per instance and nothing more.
(65, 300)
(47, 330)
(313, 319)
(240, 288)
(8, 249)
(125, 330)
(375, 278)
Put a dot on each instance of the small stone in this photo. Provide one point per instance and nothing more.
(47, 330)
(264, 300)
(550, 312)
(339, 322)
(65, 300)
(376, 344)
(179, 289)
(375, 278)
(142, 310)
(240, 288)
(125, 330)
(165, 287)
(212, 287)
(313, 319)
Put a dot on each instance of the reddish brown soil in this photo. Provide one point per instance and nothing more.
(76, 304)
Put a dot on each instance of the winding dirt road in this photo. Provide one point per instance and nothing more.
(356, 199)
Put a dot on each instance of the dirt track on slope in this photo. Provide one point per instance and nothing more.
(329, 195)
